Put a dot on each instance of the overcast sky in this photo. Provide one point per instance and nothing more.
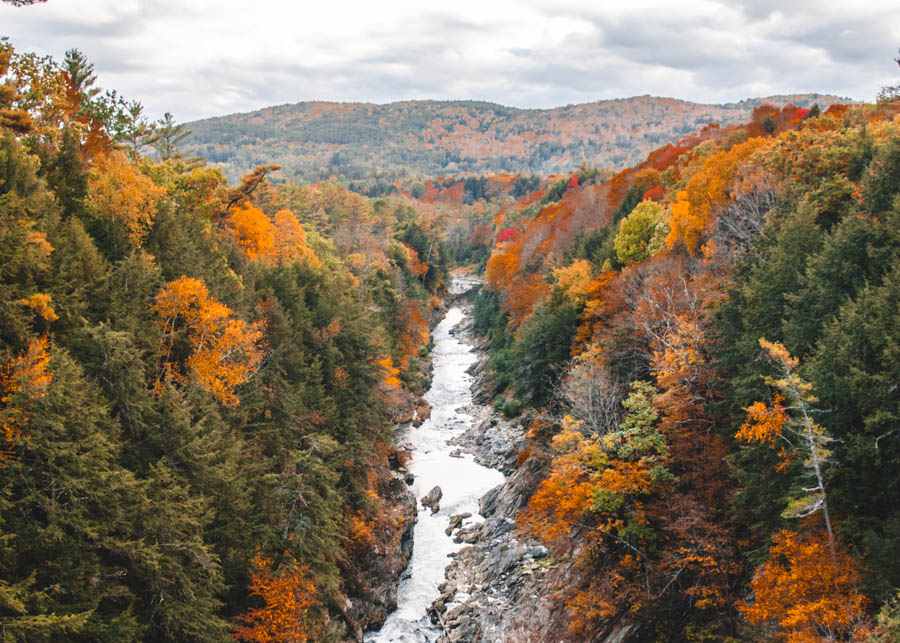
(201, 58)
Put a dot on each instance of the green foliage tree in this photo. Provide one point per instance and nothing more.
(543, 348)
(168, 137)
(642, 233)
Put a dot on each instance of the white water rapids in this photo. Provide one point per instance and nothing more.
(461, 479)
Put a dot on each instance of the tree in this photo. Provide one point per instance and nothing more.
(799, 432)
(167, 137)
(590, 393)
(249, 183)
(290, 241)
(597, 499)
(17, 120)
(542, 348)
(202, 342)
(288, 595)
(124, 121)
(119, 192)
(642, 233)
(81, 75)
(253, 231)
(26, 377)
(807, 594)
(891, 92)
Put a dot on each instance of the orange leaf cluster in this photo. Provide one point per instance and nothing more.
(809, 595)
(288, 594)
(280, 240)
(290, 241)
(764, 423)
(390, 372)
(415, 335)
(28, 374)
(692, 212)
(416, 266)
(38, 241)
(253, 231)
(225, 352)
(329, 332)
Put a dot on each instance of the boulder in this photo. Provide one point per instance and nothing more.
(432, 499)
(422, 412)
(455, 521)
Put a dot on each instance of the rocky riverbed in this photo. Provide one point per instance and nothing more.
(448, 484)
(496, 588)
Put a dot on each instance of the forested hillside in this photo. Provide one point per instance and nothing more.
(197, 382)
(376, 145)
(704, 353)
(198, 378)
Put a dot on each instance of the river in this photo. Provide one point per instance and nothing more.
(462, 480)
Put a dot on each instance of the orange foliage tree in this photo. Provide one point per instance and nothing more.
(415, 335)
(693, 211)
(599, 493)
(416, 266)
(290, 241)
(803, 594)
(40, 303)
(390, 372)
(27, 375)
(288, 594)
(221, 352)
(253, 231)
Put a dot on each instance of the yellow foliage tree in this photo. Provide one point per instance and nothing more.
(290, 241)
(575, 279)
(119, 191)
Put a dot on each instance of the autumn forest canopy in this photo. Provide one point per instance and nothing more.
(199, 376)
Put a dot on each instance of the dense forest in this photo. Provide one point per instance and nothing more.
(704, 353)
(198, 379)
(375, 145)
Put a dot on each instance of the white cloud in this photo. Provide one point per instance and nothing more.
(206, 57)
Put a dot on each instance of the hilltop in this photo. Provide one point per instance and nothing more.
(424, 138)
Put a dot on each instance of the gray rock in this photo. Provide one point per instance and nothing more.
(538, 551)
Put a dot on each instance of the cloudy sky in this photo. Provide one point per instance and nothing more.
(205, 58)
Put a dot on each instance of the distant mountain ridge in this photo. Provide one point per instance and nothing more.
(373, 143)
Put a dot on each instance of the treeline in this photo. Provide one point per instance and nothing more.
(196, 381)
(371, 146)
(704, 351)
